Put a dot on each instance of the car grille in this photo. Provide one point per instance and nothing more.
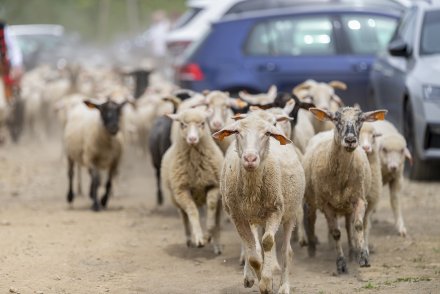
(432, 139)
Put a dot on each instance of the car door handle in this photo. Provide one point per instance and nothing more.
(361, 67)
(268, 67)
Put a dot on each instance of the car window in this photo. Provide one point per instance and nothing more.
(430, 39)
(407, 26)
(187, 17)
(292, 36)
(368, 34)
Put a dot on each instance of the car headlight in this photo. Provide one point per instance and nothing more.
(431, 92)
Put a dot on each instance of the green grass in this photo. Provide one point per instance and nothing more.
(413, 279)
(370, 285)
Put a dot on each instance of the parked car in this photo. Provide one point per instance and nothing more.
(195, 22)
(335, 40)
(406, 81)
(40, 43)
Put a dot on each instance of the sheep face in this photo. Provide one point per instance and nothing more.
(192, 125)
(110, 114)
(348, 122)
(219, 103)
(252, 140)
(368, 137)
(393, 152)
(321, 94)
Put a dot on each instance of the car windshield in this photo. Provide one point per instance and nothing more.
(32, 43)
(430, 39)
(187, 17)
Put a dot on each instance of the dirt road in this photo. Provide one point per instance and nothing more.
(47, 247)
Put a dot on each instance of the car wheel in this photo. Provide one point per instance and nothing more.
(420, 169)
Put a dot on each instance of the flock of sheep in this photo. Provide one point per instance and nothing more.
(270, 161)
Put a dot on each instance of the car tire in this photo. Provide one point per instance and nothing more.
(420, 169)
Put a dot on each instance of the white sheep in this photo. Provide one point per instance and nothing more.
(323, 96)
(393, 151)
(190, 175)
(338, 178)
(92, 139)
(262, 184)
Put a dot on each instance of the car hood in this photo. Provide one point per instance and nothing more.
(429, 69)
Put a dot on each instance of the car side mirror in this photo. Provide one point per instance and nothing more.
(399, 48)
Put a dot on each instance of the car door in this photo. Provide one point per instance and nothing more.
(364, 35)
(288, 50)
(392, 71)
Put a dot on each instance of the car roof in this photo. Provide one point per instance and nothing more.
(259, 5)
(36, 29)
(248, 9)
(427, 4)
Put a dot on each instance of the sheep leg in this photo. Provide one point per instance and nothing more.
(95, 182)
(287, 254)
(212, 203)
(269, 251)
(333, 225)
(309, 223)
(395, 205)
(159, 190)
(300, 227)
(70, 194)
(367, 223)
(218, 218)
(348, 228)
(253, 260)
(79, 180)
(108, 186)
(186, 226)
(361, 246)
(186, 203)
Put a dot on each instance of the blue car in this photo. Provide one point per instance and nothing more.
(324, 41)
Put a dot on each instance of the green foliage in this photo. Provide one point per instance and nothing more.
(89, 17)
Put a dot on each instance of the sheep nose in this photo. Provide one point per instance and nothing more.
(192, 139)
(367, 148)
(350, 139)
(217, 125)
(392, 167)
(250, 158)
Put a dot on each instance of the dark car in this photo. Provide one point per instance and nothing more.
(335, 40)
(406, 81)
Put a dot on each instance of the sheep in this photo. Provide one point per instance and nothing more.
(338, 178)
(393, 151)
(368, 138)
(190, 175)
(323, 96)
(262, 184)
(159, 141)
(92, 139)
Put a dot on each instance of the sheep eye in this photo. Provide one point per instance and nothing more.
(385, 150)
(183, 125)
(202, 125)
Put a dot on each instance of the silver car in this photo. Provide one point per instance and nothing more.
(406, 81)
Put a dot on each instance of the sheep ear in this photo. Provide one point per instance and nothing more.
(239, 116)
(92, 104)
(277, 135)
(288, 108)
(225, 132)
(338, 85)
(237, 103)
(283, 117)
(338, 101)
(272, 92)
(374, 115)
(174, 117)
(320, 114)
(408, 156)
(245, 96)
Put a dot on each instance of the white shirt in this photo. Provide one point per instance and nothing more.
(14, 52)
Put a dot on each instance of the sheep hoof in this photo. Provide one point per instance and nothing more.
(266, 285)
(189, 243)
(341, 265)
(70, 196)
(217, 250)
(363, 259)
(311, 249)
(303, 242)
(284, 289)
(248, 282)
(104, 201)
(95, 207)
(199, 243)
(268, 241)
(402, 232)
